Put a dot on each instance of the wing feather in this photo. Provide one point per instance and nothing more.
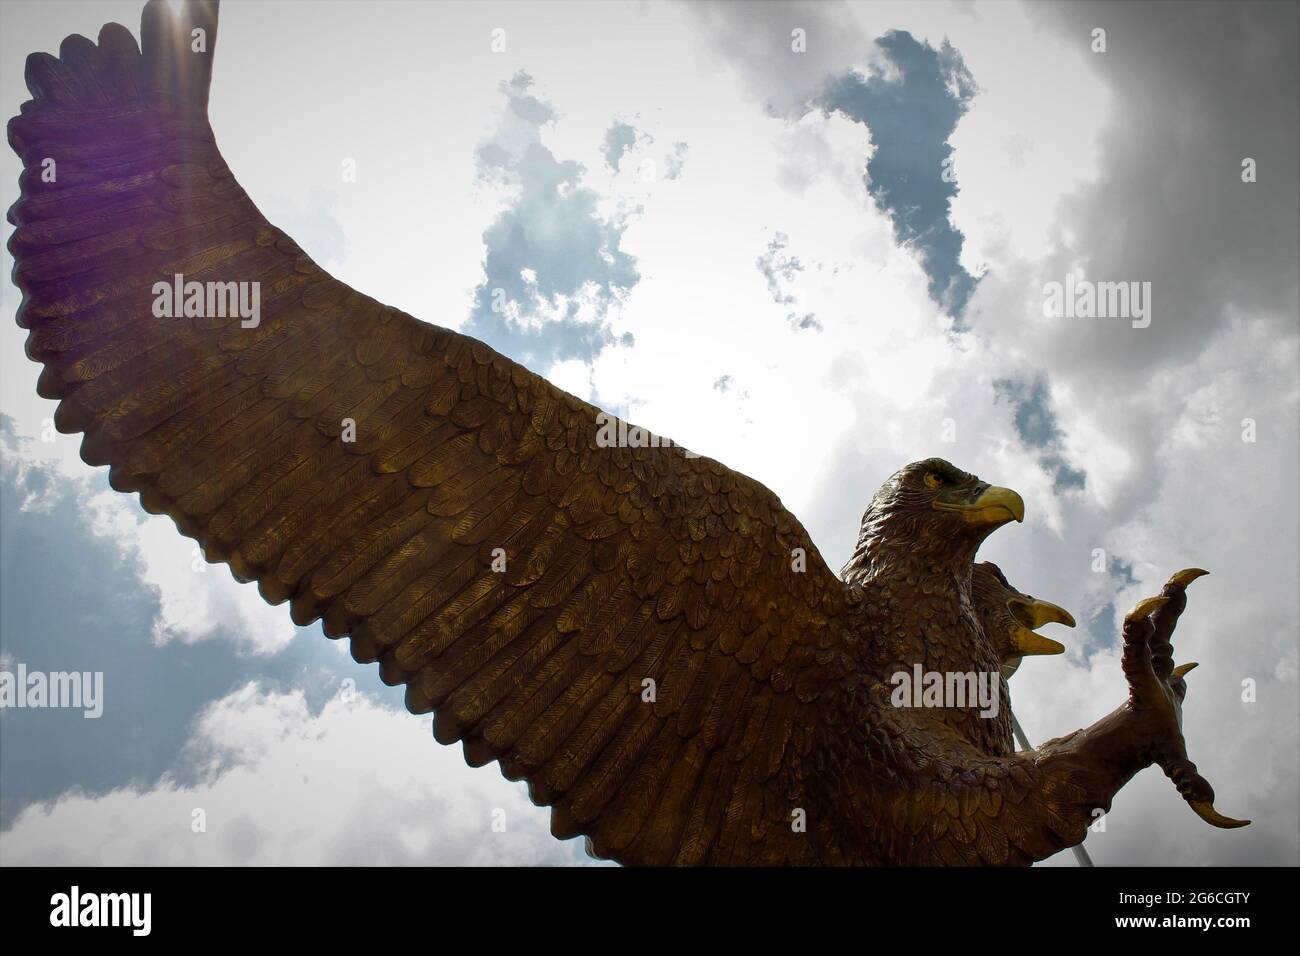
(637, 655)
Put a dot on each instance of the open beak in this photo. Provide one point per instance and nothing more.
(1030, 644)
(995, 507)
(1033, 614)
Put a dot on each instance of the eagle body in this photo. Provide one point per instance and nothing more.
(914, 565)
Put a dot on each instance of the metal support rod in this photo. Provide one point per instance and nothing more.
(1080, 854)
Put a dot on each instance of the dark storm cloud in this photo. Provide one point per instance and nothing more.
(73, 604)
(554, 265)
(911, 110)
(1196, 89)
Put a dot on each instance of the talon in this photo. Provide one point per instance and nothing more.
(1145, 607)
(1186, 576)
(1205, 810)
(1183, 669)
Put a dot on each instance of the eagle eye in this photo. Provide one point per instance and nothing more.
(933, 479)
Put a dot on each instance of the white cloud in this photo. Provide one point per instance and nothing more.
(355, 784)
(198, 601)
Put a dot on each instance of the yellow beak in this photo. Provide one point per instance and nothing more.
(1030, 644)
(1045, 612)
(995, 507)
(1035, 614)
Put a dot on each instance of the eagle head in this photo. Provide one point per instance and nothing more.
(1010, 618)
(931, 511)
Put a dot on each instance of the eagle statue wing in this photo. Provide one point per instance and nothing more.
(623, 626)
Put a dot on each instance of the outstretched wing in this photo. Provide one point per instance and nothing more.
(627, 627)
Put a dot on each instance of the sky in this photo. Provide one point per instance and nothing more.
(809, 240)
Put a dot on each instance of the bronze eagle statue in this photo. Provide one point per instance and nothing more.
(646, 636)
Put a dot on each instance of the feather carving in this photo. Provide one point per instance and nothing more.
(622, 626)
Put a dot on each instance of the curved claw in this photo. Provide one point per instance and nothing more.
(1183, 669)
(1186, 576)
(1205, 810)
(1145, 607)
